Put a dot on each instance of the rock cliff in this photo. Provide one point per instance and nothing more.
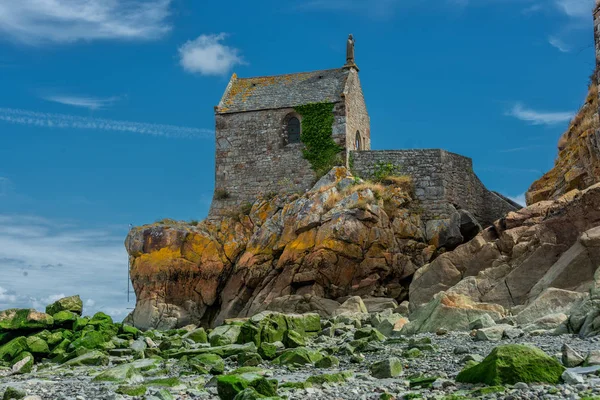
(535, 262)
(578, 163)
(344, 237)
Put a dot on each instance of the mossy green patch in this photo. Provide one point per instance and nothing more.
(37, 346)
(12, 349)
(329, 378)
(298, 356)
(228, 386)
(512, 363)
(28, 365)
(132, 390)
(167, 382)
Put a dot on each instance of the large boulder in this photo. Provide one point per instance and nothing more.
(513, 363)
(24, 319)
(71, 303)
(451, 312)
(532, 253)
(287, 253)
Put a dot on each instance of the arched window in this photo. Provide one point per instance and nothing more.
(357, 141)
(293, 130)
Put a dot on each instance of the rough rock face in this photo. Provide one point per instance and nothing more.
(578, 163)
(537, 261)
(341, 238)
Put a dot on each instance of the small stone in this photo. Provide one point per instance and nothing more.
(461, 350)
(593, 358)
(570, 358)
(471, 357)
(571, 378)
(389, 368)
(521, 386)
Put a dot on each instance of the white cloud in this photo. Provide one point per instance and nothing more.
(559, 44)
(6, 297)
(207, 55)
(90, 262)
(519, 199)
(48, 120)
(523, 148)
(35, 22)
(576, 8)
(539, 117)
(92, 103)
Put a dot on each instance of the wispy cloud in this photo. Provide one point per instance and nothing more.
(89, 262)
(89, 102)
(62, 121)
(524, 148)
(36, 22)
(207, 55)
(370, 8)
(519, 199)
(575, 8)
(536, 117)
(510, 170)
(558, 43)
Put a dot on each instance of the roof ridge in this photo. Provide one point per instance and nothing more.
(294, 73)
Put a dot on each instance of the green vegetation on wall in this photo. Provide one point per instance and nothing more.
(317, 128)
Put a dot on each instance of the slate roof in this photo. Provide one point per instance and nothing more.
(280, 91)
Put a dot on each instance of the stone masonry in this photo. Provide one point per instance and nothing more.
(443, 182)
(256, 155)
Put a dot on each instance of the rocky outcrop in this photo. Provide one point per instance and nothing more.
(342, 238)
(578, 163)
(535, 262)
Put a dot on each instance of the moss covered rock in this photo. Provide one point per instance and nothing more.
(37, 346)
(294, 339)
(65, 318)
(90, 340)
(268, 351)
(327, 362)
(224, 334)
(370, 334)
(249, 359)
(208, 363)
(512, 363)
(24, 319)
(93, 357)
(390, 368)
(132, 390)
(23, 363)
(12, 393)
(329, 378)
(71, 303)
(197, 335)
(12, 349)
(298, 356)
(228, 386)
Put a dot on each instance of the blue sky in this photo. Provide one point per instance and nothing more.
(106, 108)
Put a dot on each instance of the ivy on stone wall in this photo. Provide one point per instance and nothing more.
(317, 128)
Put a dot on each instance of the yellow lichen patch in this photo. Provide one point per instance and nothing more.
(349, 250)
(199, 248)
(160, 260)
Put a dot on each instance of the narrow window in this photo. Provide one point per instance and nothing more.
(357, 143)
(293, 130)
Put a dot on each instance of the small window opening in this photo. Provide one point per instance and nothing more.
(357, 141)
(293, 130)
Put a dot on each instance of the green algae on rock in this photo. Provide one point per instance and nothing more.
(512, 363)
